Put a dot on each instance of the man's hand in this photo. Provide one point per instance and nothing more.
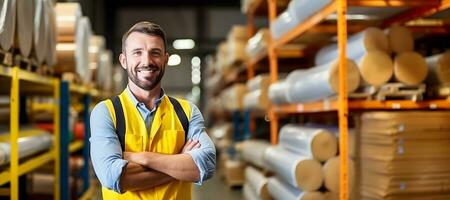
(191, 145)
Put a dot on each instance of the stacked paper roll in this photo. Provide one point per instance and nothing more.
(258, 43)
(68, 15)
(404, 155)
(257, 182)
(50, 57)
(400, 39)
(331, 170)
(233, 97)
(320, 82)
(237, 39)
(40, 30)
(25, 24)
(410, 68)
(280, 190)
(7, 23)
(253, 152)
(31, 141)
(313, 142)
(278, 92)
(257, 97)
(300, 171)
(438, 69)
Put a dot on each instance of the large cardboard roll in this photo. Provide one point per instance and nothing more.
(31, 141)
(357, 45)
(7, 23)
(40, 31)
(257, 100)
(400, 39)
(66, 57)
(259, 82)
(248, 192)
(257, 182)
(320, 82)
(410, 68)
(283, 191)
(331, 170)
(303, 9)
(438, 69)
(51, 58)
(253, 152)
(313, 142)
(68, 15)
(25, 24)
(300, 171)
(278, 92)
(376, 68)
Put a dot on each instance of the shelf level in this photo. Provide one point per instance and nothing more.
(75, 146)
(332, 105)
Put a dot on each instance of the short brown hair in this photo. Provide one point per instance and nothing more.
(145, 27)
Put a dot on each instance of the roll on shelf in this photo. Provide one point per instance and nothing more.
(283, 191)
(25, 24)
(300, 171)
(248, 193)
(278, 91)
(317, 143)
(51, 58)
(40, 31)
(400, 39)
(438, 69)
(68, 15)
(257, 183)
(7, 23)
(331, 170)
(410, 68)
(253, 152)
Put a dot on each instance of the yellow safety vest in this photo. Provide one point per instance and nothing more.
(166, 137)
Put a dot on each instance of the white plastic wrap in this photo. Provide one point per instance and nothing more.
(259, 82)
(438, 69)
(27, 146)
(283, 191)
(257, 182)
(256, 100)
(300, 171)
(253, 151)
(320, 82)
(25, 24)
(301, 10)
(357, 45)
(312, 142)
(278, 92)
(7, 23)
(283, 24)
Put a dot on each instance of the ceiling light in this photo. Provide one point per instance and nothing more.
(174, 60)
(183, 44)
(195, 61)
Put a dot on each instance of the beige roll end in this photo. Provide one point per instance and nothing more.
(313, 196)
(400, 39)
(324, 145)
(309, 175)
(375, 39)
(331, 171)
(443, 68)
(265, 195)
(376, 68)
(65, 53)
(67, 18)
(410, 68)
(353, 76)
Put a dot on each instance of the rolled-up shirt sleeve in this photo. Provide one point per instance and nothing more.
(106, 154)
(205, 156)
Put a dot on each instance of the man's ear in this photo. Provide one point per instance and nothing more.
(166, 57)
(123, 60)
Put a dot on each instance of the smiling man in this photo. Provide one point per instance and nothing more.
(145, 144)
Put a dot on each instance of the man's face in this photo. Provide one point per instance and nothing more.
(145, 59)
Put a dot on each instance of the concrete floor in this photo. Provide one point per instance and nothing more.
(216, 189)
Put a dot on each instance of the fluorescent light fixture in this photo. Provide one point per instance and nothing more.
(196, 72)
(183, 44)
(174, 60)
(195, 61)
(196, 79)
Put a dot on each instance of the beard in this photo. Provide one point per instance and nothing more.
(146, 77)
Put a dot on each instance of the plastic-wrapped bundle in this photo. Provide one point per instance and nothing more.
(253, 151)
(257, 182)
(278, 92)
(300, 171)
(249, 194)
(27, 146)
(320, 82)
(410, 68)
(283, 191)
(283, 24)
(357, 45)
(7, 23)
(438, 69)
(105, 70)
(25, 24)
(314, 142)
(301, 10)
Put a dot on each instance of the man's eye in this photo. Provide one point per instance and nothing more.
(157, 54)
(137, 53)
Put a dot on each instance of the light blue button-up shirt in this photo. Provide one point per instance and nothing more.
(106, 154)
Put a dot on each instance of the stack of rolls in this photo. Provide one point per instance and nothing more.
(25, 24)
(319, 82)
(258, 43)
(7, 24)
(236, 39)
(74, 35)
(255, 186)
(404, 155)
(257, 93)
(233, 97)
(438, 70)
(253, 152)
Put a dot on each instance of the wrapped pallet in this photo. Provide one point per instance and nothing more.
(257, 183)
(313, 142)
(410, 68)
(253, 152)
(438, 69)
(320, 82)
(278, 92)
(280, 190)
(7, 24)
(300, 171)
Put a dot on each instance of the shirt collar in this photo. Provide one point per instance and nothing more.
(136, 102)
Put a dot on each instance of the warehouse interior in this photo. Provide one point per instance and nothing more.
(302, 99)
